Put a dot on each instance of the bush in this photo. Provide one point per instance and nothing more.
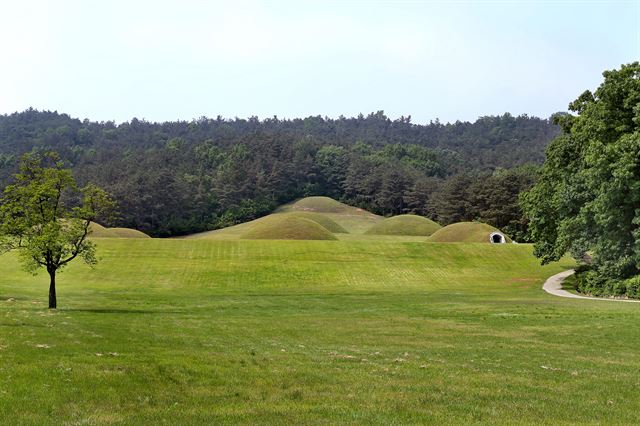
(633, 287)
(591, 282)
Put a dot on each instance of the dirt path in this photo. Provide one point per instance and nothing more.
(553, 285)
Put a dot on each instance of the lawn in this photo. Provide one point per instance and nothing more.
(312, 332)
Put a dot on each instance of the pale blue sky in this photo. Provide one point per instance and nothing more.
(168, 60)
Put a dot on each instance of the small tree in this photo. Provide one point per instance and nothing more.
(46, 217)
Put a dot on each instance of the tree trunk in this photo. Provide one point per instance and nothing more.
(53, 302)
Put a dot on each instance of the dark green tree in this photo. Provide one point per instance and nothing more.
(452, 202)
(588, 195)
(495, 199)
(332, 161)
(47, 218)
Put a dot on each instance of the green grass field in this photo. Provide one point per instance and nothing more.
(312, 332)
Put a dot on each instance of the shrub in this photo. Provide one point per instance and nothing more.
(633, 287)
(589, 281)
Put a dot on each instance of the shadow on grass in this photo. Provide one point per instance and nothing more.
(22, 324)
(118, 311)
(11, 298)
(570, 284)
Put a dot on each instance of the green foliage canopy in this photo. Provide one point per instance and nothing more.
(181, 177)
(587, 199)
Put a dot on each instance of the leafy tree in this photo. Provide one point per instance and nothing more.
(47, 218)
(181, 177)
(588, 196)
(394, 184)
(452, 201)
(495, 199)
(332, 161)
(418, 196)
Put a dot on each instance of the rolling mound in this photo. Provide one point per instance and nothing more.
(318, 205)
(99, 231)
(406, 224)
(334, 216)
(466, 232)
(325, 221)
(287, 227)
(353, 219)
(126, 233)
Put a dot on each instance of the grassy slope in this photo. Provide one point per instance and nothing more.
(317, 204)
(126, 233)
(321, 219)
(406, 224)
(287, 227)
(465, 232)
(331, 214)
(201, 332)
(99, 231)
(238, 231)
(353, 219)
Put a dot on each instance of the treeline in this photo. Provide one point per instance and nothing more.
(180, 177)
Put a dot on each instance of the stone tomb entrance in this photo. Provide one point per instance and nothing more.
(497, 238)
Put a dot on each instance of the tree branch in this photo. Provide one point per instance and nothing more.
(77, 245)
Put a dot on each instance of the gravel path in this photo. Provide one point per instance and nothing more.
(554, 286)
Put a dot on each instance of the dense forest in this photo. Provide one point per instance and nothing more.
(181, 177)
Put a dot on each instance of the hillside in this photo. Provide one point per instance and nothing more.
(353, 219)
(341, 220)
(177, 178)
(99, 231)
(404, 225)
(287, 227)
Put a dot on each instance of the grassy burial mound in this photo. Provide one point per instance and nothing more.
(353, 219)
(323, 220)
(406, 224)
(126, 233)
(238, 231)
(467, 232)
(99, 231)
(287, 227)
(352, 223)
(334, 216)
(318, 205)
